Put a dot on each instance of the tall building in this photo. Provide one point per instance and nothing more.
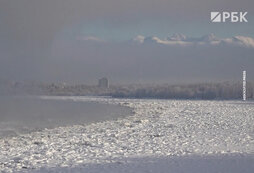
(103, 82)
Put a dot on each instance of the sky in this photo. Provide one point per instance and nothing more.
(128, 41)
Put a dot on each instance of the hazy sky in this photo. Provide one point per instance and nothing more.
(82, 40)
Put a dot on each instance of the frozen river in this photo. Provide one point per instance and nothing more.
(161, 136)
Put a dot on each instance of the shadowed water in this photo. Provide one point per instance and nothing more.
(26, 114)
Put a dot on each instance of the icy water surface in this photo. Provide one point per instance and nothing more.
(20, 114)
(161, 136)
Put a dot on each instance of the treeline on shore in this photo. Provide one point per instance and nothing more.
(206, 91)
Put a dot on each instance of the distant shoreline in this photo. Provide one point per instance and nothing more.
(199, 91)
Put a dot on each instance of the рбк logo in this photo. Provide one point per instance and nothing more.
(228, 16)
